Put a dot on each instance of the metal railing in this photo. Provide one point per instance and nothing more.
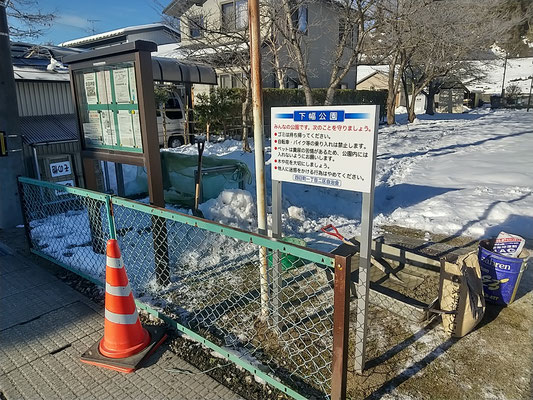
(203, 278)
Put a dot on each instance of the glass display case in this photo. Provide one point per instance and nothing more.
(108, 107)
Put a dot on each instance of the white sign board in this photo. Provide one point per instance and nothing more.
(329, 146)
(60, 168)
(70, 183)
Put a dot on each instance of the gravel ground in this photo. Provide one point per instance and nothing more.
(405, 360)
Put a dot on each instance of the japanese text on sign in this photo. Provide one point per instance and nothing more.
(60, 168)
(324, 146)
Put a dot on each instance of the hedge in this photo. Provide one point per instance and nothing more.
(296, 97)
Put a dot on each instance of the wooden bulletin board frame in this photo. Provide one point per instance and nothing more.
(138, 53)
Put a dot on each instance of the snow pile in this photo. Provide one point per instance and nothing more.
(517, 72)
(455, 174)
(296, 213)
(233, 207)
(56, 66)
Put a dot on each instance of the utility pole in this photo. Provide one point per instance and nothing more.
(11, 164)
(529, 98)
(503, 81)
(259, 137)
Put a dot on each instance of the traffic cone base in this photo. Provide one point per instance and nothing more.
(112, 352)
(125, 342)
(129, 364)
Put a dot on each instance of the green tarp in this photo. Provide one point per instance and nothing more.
(179, 177)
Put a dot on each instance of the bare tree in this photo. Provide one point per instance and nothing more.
(32, 22)
(348, 33)
(223, 41)
(467, 30)
(518, 32)
(288, 35)
(276, 54)
(431, 42)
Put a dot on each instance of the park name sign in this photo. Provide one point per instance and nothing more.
(328, 146)
(333, 147)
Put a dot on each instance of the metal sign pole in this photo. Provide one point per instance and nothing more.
(344, 150)
(276, 258)
(363, 285)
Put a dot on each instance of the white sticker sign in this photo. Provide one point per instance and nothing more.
(69, 183)
(328, 146)
(60, 168)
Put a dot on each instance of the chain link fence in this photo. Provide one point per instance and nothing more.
(279, 310)
(206, 277)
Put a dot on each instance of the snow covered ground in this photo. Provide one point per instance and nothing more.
(456, 174)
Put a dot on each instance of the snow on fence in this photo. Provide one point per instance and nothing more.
(204, 278)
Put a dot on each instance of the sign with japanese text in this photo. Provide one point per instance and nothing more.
(60, 168)
(329, 146)
(69, 183)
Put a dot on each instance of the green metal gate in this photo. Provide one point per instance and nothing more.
(203, 279)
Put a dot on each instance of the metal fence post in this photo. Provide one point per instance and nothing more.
(94, 211)
(110, 218)
(276, 267)
(341, 324)
(363, 284)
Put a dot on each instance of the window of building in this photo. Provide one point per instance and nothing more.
(232, 80)
(291, 83)
(346, 28)
(225, 81)
(241, 14)
(300, 19)
(196, 26)
(228, 12)
(239, 80)
(234, 15)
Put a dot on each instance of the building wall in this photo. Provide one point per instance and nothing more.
(50, 150)
(44, 98)
(378, 81)
(322, 39)
(319, 43)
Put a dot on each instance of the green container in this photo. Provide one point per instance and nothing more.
(288, 261)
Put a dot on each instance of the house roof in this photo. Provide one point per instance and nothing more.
(49, 128)
(119, 32)
(40, 62)
(366, 71)
(38, 74)
(31, 54)
(177, 8)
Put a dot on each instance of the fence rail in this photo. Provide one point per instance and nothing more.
(203, 278)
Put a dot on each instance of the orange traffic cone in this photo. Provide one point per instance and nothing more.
(125, 343)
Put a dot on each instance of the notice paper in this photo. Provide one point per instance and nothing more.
(90, 88)
(108, 126)
(122, 90)
(92, 129)
(125, 128)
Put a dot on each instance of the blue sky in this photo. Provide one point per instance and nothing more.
(72, 17)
